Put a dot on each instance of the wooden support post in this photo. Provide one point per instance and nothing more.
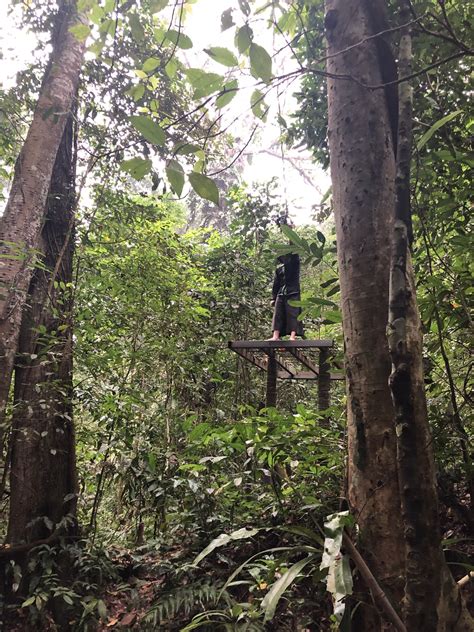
(324, 385)
(271, 399)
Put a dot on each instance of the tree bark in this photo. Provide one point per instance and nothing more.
(363, 176)
(361, 142)
(21, 224)
(425, 568)
(43, 475)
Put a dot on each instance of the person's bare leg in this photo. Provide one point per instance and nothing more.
(276, 335)
(293, 335)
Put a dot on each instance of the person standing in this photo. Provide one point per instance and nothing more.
(286, 288)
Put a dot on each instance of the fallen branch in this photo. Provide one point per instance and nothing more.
(378, 594)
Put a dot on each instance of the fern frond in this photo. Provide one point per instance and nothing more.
(185, 600)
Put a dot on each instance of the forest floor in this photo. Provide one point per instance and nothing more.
(153, 596)
(157, 588)
(151, 590)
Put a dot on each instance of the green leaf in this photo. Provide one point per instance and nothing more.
(427, 135)
(339, 584)
(136, 92)
(97, 14)
(330, 282)
(108, 27)
(333, 317)
(171, 68)
(136, 167)
(204, 83)
(222, 540)
(28, 602)
(185, 149)
(333, 528)
(179, 39)
(230, 90)
(315, 300)
(292, 236)
(222, 56)
(150, 64)
(149, 129)
(339, 579)
(260, 62)
(136, 27)
(80, 31)
(101, 609)
(204, 187)
(271, 599)
(258, 105)
(175, 175)
(243, 38)
(226, 19)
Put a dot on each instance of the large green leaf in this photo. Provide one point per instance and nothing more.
(427, 135)
(175, 175)
(260, 62)
(222, 56)
(243, 38)
(136, 167)
(339, 579)
(179, 39)
(294, 237)
(149, 129)
(150, 64)
(271, 599)
(333, 528)
(204, 187)
(222, 540)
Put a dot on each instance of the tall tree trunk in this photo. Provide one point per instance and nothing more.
(363, 175)
(361, 141)
(425, 569)
(43, 474)
(21, 224)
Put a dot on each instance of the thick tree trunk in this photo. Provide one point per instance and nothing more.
(361, 141)
(363, 176)
(425, 572)
(43, 475)
(21, 224)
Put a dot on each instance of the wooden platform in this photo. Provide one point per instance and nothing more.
(295, 360)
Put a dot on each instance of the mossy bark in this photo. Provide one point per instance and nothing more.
(22, 221)
(43, 488)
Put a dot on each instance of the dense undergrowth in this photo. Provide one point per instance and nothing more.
(198, 508)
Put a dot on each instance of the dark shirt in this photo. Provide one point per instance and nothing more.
(287, 276)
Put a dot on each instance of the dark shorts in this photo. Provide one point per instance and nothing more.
(285, 316)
